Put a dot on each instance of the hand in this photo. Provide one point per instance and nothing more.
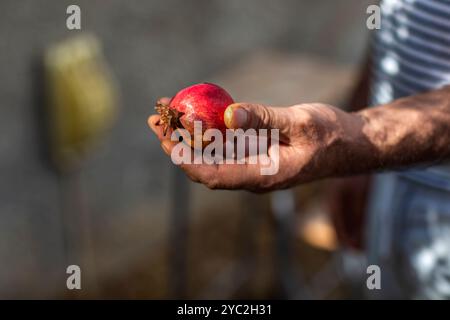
(313, 144)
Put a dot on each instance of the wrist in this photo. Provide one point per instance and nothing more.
(351, 150)
(364, 153)
(337, 141)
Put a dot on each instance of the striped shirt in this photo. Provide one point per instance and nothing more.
(410, 217)
(411, 51)
(412, 48)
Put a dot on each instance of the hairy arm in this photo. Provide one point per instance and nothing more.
(406, 132)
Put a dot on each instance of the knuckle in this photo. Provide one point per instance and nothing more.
(307, 118)
(309, 127)
(262, 116)
(210, 181)
(190, 173)
(269, 116)
(193, 178)
(212, 184)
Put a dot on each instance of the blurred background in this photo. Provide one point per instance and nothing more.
(83, 180)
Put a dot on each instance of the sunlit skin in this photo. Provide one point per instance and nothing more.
(319, 140)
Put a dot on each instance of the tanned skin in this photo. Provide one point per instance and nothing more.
(319, 140)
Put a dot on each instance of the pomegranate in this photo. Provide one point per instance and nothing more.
(205, 102)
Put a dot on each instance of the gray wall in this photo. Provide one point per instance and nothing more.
(154, 48)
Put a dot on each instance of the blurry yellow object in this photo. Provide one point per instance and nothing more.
(82, 97)
(318, 231)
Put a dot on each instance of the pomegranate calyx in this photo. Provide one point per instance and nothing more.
(170, 118)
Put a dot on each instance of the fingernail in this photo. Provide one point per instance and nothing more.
(235, 117)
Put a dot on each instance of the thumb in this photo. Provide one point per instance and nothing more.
(246, 116)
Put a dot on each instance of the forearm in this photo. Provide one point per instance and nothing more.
(406, 132)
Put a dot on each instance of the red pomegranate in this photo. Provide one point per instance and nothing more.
(205, 102)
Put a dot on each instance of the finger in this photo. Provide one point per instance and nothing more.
(156, 126)
(228, 176)
(167, 145)
(257, 116)
(247, 175)
(201, 173)
(173, 138)
(164, 100)
(153, 121)
(241, 176)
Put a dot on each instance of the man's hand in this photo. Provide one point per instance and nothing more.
(314, 142)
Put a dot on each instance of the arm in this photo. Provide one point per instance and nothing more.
(321, 141)
(409, 131)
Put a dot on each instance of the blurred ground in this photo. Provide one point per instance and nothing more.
(154, 48)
